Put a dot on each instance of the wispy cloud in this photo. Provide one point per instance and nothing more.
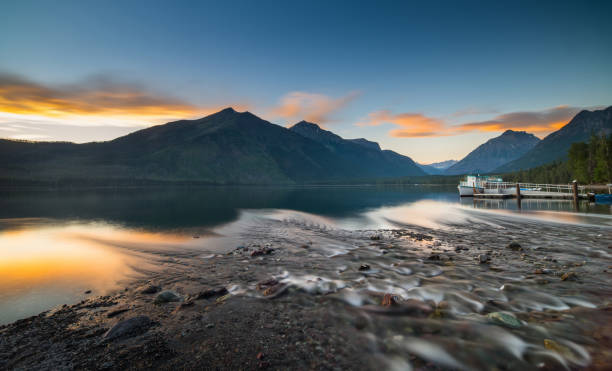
(540, 122)
(313, 107)
(412, 124)
(101, 96)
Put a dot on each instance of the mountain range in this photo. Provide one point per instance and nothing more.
(554, 147)
(231, 147)
(227, 147)
(518, 150)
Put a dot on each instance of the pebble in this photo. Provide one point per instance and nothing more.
(151, 289)
(569, 276)
(262, 251)
(483, 258)
(364, 267)
(514, 246)
(389, 300)
(504, 319)
(166, 297)
(128, 328)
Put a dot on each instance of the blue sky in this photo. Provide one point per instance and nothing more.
(410, 75)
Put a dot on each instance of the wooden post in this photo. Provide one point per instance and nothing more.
(518, 195)
(575, 191)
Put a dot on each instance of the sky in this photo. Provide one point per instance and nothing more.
(431, 80)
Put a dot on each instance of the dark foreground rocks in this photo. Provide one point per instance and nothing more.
(456, 298)
(238, 333)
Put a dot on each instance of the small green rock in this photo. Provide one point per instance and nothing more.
(166, 296)
(504, 319)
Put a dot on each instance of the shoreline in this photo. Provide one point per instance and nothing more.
(300, 296)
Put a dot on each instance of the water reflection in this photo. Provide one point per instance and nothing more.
(56, 245)
(48, 262)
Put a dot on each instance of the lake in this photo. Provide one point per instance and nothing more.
(402, 271)
(56, 245)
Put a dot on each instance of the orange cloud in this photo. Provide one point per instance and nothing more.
(100, 96)
(313, 107)
(541, 122)
(418, 125)
(411, 124)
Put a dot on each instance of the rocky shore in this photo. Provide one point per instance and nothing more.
(501, 293)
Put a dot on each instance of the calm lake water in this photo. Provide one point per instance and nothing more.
(60, 247)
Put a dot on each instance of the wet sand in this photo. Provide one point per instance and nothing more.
(296, 293)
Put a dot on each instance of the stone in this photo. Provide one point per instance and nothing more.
(166, 297)
(364, 267)
(569, 276)
(514, 246)
(129, 327)
(389, 300)
(262, 251)
(151, 289)
(88, 292)
(483, 258)
(505, 319)
(274, 290)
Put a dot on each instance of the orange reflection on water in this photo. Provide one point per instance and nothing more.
(91, 254)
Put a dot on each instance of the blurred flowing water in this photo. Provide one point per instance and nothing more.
(60, 247)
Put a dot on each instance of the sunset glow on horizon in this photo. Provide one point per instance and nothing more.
(432, 93)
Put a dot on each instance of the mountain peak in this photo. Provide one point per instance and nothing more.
(306, 124)
(495, 152)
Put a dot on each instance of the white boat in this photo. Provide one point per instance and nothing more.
(477, 184)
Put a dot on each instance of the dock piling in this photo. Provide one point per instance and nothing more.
(518, 195)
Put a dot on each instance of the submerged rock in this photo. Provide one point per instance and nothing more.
(128, 328)
(505, 319)
(364, 267)
(483, 258)
(514, 246)
(558, 348)
(389, 300)
(166, 297)
(569, 276)
(262, 251)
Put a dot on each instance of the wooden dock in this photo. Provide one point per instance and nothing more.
(504, 190)
(559, 196)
